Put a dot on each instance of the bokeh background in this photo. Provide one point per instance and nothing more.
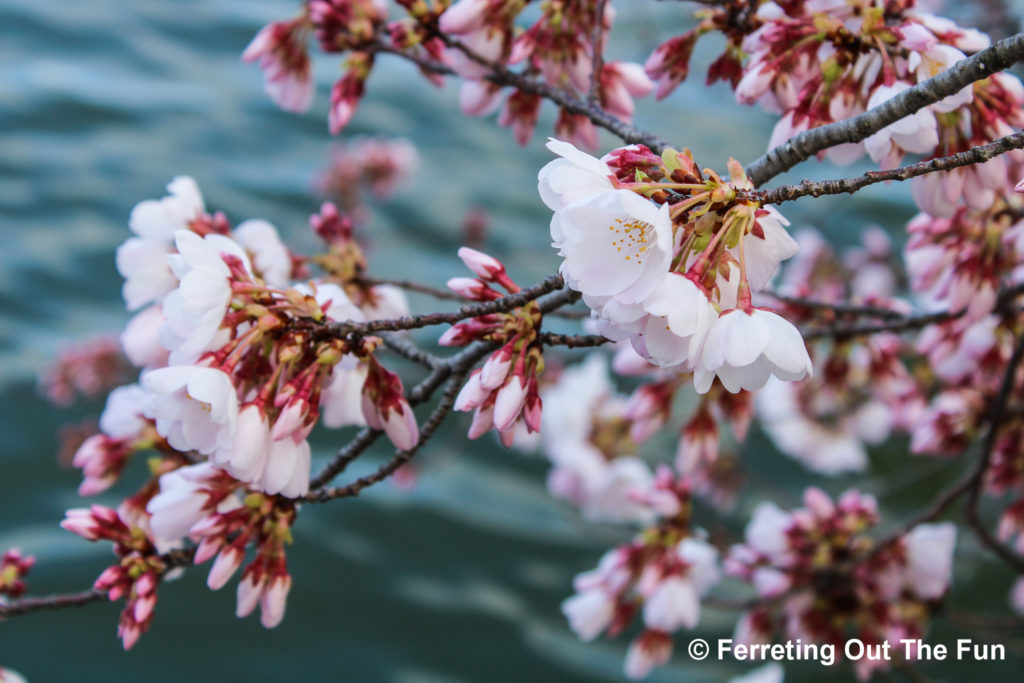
(459, 579)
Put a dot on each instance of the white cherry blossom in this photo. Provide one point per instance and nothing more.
(195, 408)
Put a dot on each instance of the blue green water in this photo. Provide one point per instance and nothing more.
(461, 578)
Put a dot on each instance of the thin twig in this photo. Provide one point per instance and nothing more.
(975, 155)
(974, 495)
(838, 308)
(406, 349)
(411, 286)
(983, 64)
(571, 341)
(400, 458)
(909, 322)
(411, 322)
(28, 604)
(499, 74)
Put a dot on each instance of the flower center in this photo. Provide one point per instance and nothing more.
(631, 237)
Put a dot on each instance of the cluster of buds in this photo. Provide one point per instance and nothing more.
(824, 579)
(13, 568)
(208, 506)
(87, 369)
(662, 574)
(668, 256)
(505, 390)
(136, 575)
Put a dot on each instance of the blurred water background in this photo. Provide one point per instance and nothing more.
(459, 579)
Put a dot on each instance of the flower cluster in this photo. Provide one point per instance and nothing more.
(822, 579)
(234, 366)
(208, 506)
(503, 393)
(663, 575)
(138, 571)
(668, 257)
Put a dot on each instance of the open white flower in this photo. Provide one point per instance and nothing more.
(183, 501)
(745, 347)
(270, 257)
(575, 176)
(194, 311)
(141, 260)
(615, 244)
(680, 318)
(195, 408)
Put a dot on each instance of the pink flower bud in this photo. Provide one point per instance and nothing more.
(495, 370)
(818, 502)
(400, 426)
(471, 288)
(229, 560)
(483, 420)
(273, 601)
(509, 402)
(144, 607)
(249, 591)
(472, 393)
(485, 266)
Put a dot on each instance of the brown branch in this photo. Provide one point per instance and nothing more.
(501, 75)
(983, 64)
(32, 603)
(839, 308)
(461, 362)
(408, 350)
(910, 322)
(411, 322)
(47, 602)
(975, 155)
(974, 495)
(573, 341)
(400, 458)
(411, 286)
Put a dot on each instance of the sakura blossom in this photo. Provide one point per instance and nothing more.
(678, 341)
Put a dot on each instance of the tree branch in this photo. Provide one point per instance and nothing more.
(501, 75)
(978, 480)
(573, 341)
(47, 602)
(909, 322)
(975, 155)
(983, 64)
(411, 322)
